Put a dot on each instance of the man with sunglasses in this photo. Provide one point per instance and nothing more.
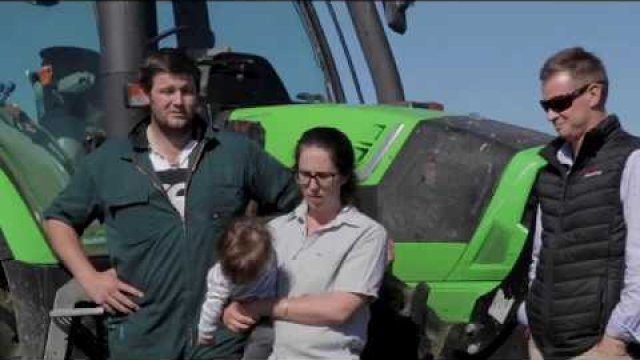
(584, 296)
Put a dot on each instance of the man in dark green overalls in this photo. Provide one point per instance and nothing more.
(164, 195)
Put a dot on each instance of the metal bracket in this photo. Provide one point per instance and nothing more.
(61, 318)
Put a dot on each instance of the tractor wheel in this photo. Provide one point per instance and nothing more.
(9, 343)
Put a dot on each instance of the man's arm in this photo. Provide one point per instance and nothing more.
(624, 323)
(71, 211)
(271, 183)
(103, 288)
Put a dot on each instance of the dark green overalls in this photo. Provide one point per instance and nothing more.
(157, 251)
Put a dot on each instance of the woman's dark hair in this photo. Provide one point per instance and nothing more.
(167, 60)
(340, 151)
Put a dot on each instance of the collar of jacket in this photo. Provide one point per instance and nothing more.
(592, 142)
(203, 132)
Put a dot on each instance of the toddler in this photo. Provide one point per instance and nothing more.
(246, 269)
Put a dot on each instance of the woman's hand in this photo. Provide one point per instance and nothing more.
(237, 317)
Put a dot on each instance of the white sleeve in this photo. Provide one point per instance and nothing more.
(535, 257)
(218, 291)
(537, 244)
(624, 322)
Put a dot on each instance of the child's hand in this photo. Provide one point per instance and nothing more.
(205, 340)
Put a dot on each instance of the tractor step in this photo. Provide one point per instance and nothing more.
(71, 313)
(91, 311)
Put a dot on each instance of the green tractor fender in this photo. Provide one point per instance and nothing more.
(30, 176)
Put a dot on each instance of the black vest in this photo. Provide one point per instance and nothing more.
(580, 271)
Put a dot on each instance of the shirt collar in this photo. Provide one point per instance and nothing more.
(346, 216)
(559, 152)
(202, 130)
(565, 155)
(160, 162)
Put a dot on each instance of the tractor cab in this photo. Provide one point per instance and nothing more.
(67, 99)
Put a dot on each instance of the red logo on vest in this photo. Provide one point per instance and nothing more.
(590, 172)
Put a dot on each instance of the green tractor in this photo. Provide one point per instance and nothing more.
(452, 190)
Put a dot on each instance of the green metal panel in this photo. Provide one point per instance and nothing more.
(459, 274)
(377, 132)
(500, 236)
(20, 228)
(30, 179)
(427, 262)
(454, 301)
(37, 173)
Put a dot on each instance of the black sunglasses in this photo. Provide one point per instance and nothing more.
(563, 102)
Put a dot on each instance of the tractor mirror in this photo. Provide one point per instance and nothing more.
(395, 11)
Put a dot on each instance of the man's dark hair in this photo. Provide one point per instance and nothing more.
(583, 66)
(341, 153)
(167, 60)
(245, 250)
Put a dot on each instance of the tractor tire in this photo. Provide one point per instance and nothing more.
(9, 342)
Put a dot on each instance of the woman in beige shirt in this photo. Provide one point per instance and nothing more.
(331, 259)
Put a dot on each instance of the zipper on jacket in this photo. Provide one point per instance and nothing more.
(156, 184)
(200, 149)
(154, 180)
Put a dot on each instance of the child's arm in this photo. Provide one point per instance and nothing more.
(218, 290)
(262, 287)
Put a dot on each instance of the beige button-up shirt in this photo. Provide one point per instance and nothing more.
(348, 254)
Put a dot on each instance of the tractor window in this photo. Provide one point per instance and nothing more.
(273, 30)
(445, 176)
(164, 10)
(48, 93)
(49, 73)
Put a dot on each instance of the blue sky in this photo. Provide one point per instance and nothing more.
(472, 56)
(484, 57)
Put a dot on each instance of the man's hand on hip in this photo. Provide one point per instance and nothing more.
(105, 289)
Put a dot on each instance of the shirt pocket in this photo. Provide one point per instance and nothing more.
(218, 204)
(124, 200)
(227, 197)
(128, 216)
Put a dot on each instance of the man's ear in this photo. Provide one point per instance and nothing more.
(595, 94)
